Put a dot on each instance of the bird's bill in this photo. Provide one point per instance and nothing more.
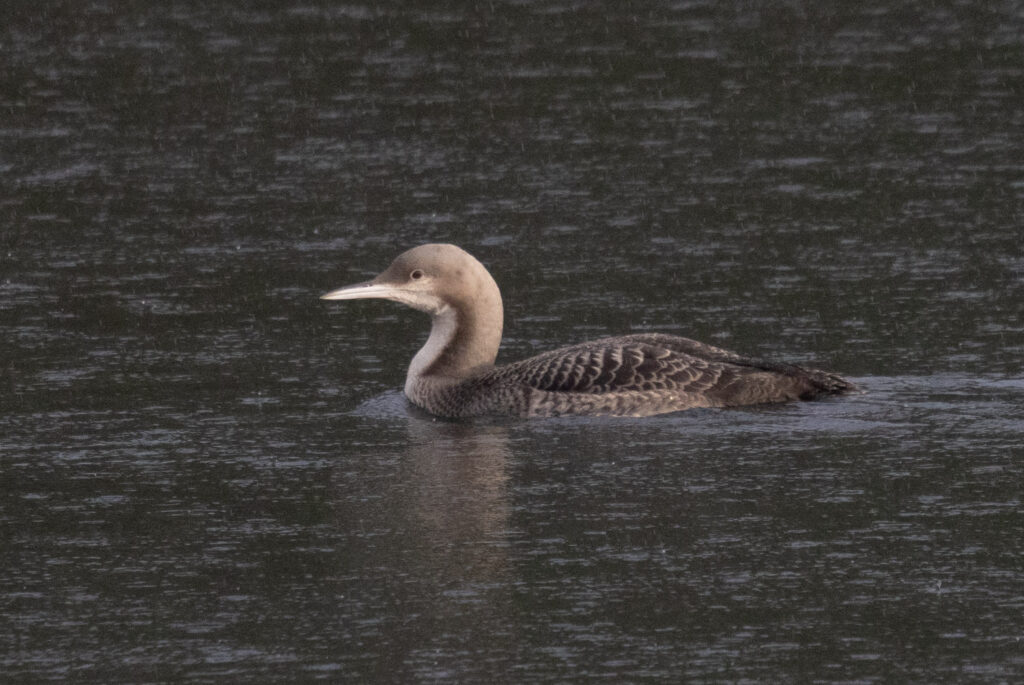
(361, 291)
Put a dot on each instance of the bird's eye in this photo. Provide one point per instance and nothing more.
(416, 275)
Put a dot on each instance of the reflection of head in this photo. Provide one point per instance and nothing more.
(458, 476)
(425, 557)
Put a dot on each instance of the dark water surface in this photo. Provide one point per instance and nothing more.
(208, 474)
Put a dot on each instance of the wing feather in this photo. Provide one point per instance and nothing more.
(618, 375)
(633, 363)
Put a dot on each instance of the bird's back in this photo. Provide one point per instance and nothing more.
(633, 375)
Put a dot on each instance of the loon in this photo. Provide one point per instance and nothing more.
(454, 374)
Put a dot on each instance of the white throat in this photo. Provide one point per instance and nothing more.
(444, 324)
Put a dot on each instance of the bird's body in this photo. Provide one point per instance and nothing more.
(454, 375)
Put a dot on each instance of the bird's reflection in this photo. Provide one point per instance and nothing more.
(458, 476)
(428, 538)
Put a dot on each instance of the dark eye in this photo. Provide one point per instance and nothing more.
(416, 275)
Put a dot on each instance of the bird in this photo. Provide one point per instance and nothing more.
(454, 374)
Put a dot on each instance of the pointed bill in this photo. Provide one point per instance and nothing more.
(361, 291)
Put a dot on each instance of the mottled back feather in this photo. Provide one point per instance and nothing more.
(667, 368)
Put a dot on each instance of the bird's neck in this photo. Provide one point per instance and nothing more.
(462, 340)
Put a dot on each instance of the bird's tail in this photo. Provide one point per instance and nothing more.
(827, 383)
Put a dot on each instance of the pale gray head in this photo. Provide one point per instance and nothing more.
(455, 289)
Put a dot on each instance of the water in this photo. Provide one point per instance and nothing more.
(208, 474)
